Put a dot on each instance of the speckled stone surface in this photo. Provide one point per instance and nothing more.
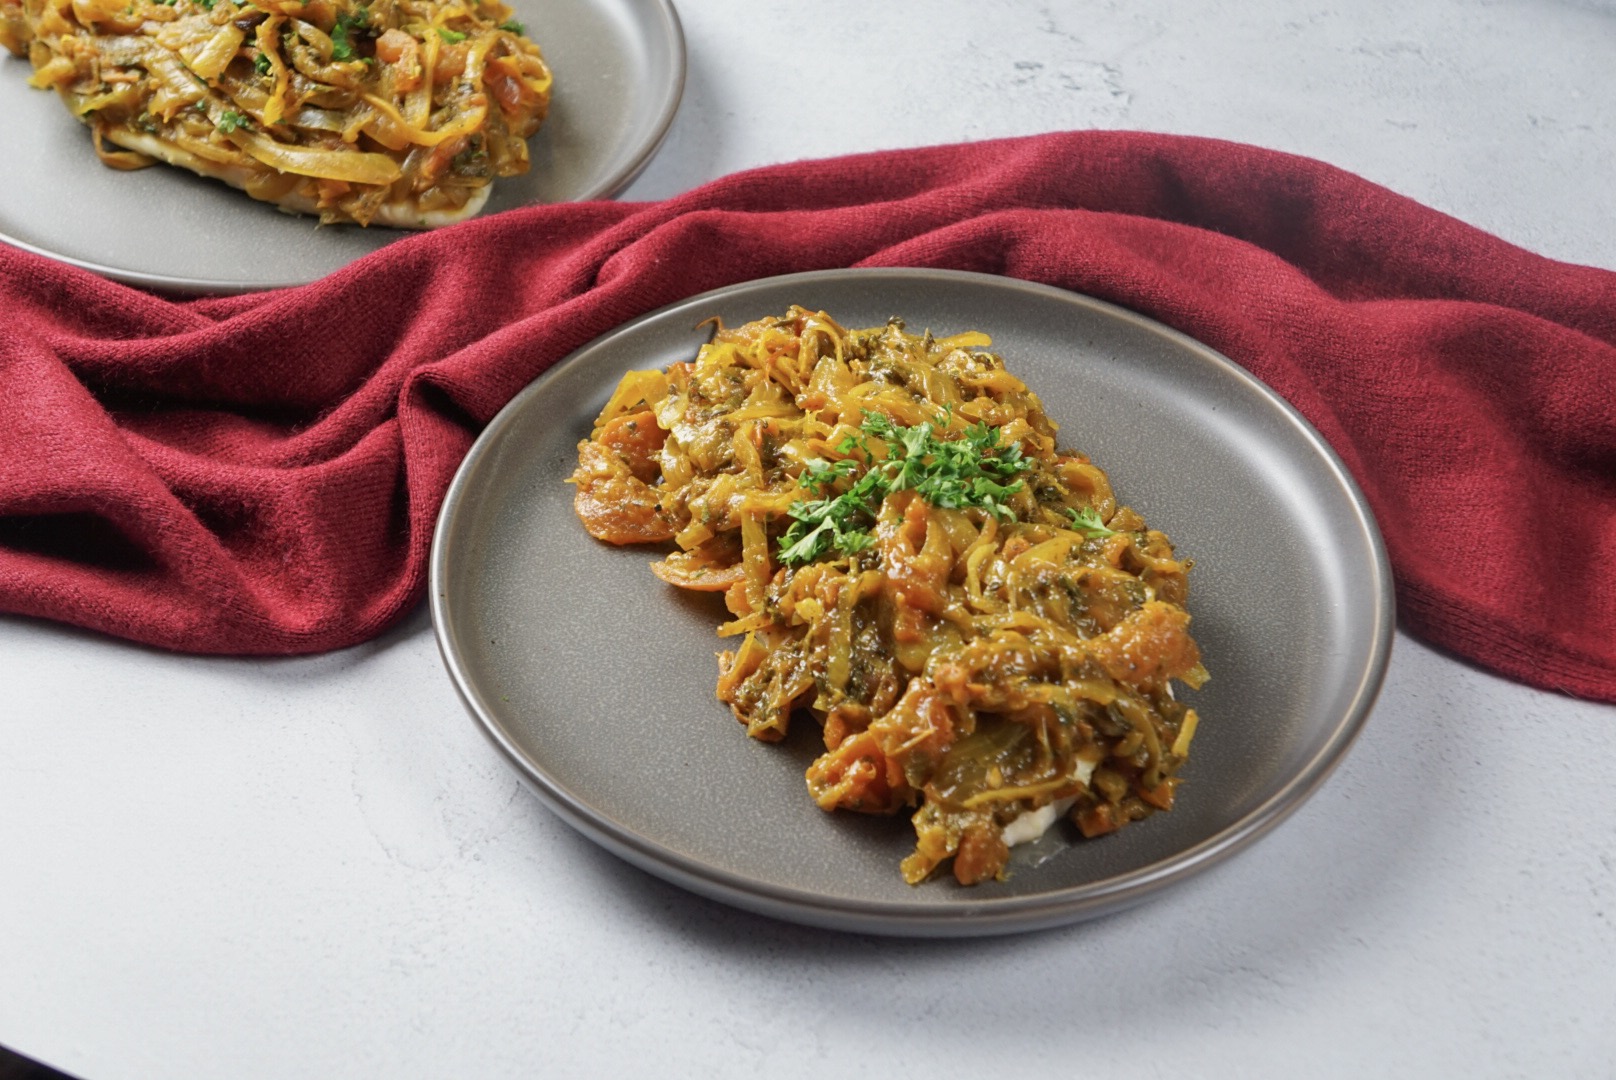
(319, 867)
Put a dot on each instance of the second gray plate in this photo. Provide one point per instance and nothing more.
(596, 680)
(619, 67)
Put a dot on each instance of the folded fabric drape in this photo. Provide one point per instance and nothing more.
(261, 473)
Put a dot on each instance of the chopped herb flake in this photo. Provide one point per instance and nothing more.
(341, 44)
(1088, 520)
(453, 37)
(511, 26)
(230, 121)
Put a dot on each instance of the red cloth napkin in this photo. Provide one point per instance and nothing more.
(260, 474)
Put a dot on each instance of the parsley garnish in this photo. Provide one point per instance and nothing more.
(1088, 520)
(819, 474)
(262, 64)
(453, 37)
(230, 121)
(953, 474)
(341, 44)
(511, 26)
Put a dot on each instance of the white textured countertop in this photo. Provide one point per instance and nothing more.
(319, 867)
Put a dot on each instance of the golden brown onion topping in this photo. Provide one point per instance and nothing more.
(399, 112)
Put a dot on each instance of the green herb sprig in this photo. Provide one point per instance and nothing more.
(1087, 520)
(972, 471)
(342, 34)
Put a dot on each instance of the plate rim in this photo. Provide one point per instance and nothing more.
(920, 918)
(610, 185)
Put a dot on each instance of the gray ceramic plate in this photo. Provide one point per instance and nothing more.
(619, 67)
(596, 680)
